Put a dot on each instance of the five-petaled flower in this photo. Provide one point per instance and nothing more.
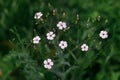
(38, 15)
(36, 39)
(63, 44)
(84, 47)
(61, 25)
(48, 63)
(50, 35)
(103, 34)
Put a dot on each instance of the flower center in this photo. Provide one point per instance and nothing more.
(48, 63)
(51, 35)
(84, 47)
(103, 34)
(62, 44)
(37, 40)
(61, 25)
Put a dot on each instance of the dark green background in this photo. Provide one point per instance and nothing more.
(19, 15)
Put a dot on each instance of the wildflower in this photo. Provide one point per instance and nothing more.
(63, 44)
(84, 47)
(50, 35)
(36, 39)
(48, 63)
(61, 25)
(103, 34)
(38, 15)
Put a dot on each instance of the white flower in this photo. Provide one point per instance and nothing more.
(63, 44)
(103, 34)
(48, 63)
(50, 35)
(61, 25)
(84, 47)
(38, 15)
(36, 39)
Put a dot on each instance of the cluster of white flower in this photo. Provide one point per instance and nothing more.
(36, 39)
(62, 44)
(103, 34)
(50, 35)
(48, 63)
(61, 25)
(38, 15)
(84, 47)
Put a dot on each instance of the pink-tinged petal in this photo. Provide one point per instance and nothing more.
(35, 42)
(105, 32)
(49, 67)
(106, 36)
(48, 34)
(62, 47)
(51, 38)
(101, 31)
(49, 60)
(51, 63)
(64, 25)
(83, 49)
(38, 15)
(51, 33)
(60, 27)
(45, 62)
(46, 66)
(57, 25)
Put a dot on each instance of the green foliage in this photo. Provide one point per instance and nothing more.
(22, 60)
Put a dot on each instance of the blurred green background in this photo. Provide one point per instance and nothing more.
(19, 15)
